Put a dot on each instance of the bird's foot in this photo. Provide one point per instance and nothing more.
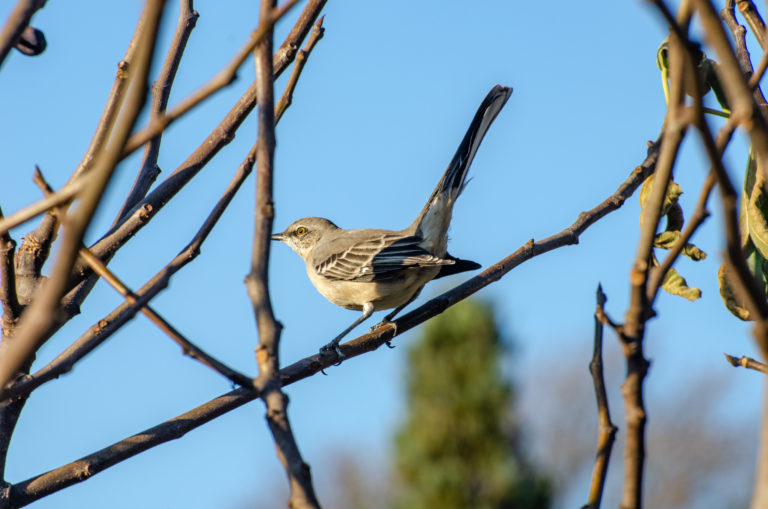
(332, 348)
(384, 323)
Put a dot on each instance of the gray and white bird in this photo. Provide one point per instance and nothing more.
(368, 269)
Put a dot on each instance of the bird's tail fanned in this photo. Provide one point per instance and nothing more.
(433, 220)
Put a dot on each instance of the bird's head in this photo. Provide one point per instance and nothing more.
(303, 235)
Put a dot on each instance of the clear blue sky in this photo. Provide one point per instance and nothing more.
(382, 105)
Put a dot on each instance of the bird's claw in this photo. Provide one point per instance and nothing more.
(332, 347)
(384, 323)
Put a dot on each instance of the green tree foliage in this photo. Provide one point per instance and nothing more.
(458, 447)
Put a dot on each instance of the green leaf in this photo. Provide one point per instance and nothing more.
(667, 239)
(756, 207)
(673, 193)
(758, 266)
(675, 284)
(735, 305)
(662, 61)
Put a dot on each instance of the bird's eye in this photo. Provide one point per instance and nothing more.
(301, 231)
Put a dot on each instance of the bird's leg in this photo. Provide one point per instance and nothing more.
(388, 319)
(334, 344)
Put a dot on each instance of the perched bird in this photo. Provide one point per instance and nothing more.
(368, 269)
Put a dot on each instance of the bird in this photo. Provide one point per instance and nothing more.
(372, 269)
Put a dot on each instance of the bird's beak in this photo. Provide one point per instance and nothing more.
(278, 236)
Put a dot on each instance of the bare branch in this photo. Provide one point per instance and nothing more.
(17, 22)
(742, 53)
(145, 210)
(754, 20)
(40, 316)
(606, 430)
(747, 362)
(639, 310)
(301, 60)
(221, 80)
(302, 493)
(187, 346)
(744, 109)
(161, 90)
(105, 327)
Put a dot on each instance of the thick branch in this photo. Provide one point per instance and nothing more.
(302, 493)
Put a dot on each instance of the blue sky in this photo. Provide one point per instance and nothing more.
(378, 113)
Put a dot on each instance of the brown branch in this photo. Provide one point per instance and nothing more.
(17, 22)
(747, 362)
(161, 90)
(63, 196)
(105, 327)
(224, 78)
(186, 345)
(8, 297)
(301, 59)
(188, 348)
(639, 310)
(35, 246)
(744, 109)
(145, 210)
(739, 34)
(302, 493)
(40, 316)
(754, 20)
(39, 486)
(606, 430)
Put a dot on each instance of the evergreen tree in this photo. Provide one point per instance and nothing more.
(457, 448)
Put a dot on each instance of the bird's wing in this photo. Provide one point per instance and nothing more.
(375, 257)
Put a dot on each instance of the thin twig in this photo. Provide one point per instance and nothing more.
(744, 109)
(747, 362)
(188, 348)
(17, 22)
(225, 77)
(40, 316)
(219, 137)
(301, 59)
(606, 430)
(754, 20)
(104, 328)
(739, 34)
(186, 345)
(161, 91)
(28, 491)
(302, 493)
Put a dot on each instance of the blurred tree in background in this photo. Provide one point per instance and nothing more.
(459, 445)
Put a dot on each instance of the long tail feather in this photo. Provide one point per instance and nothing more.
(434, 218)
